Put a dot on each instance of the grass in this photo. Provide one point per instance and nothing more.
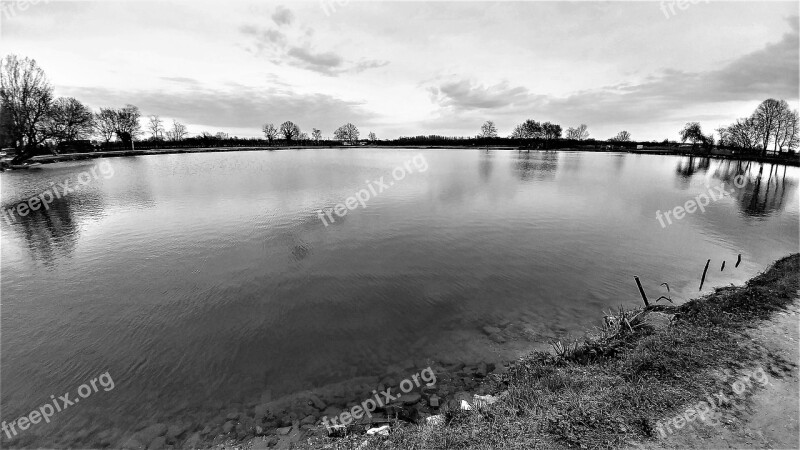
(608, 390)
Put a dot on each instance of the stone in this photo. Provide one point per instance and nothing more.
(175, 431)
(261, 410)
(259, 430)
(317, 402)
(193, 441)
(482, 370)
(434, 421)
(434, 401)
(331, 411)
(308, 420)
(411, 398)
(232, 415)
(132, 444)
(657, 320)
(488, 329)
(283, 431)
(158, 443)
(484, 400)
(381, 431)
(227, 427)
(149, 433)
(496, 337)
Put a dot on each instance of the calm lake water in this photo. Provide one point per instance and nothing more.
(200, 281)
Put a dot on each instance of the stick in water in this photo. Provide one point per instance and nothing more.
(738, 260)
(641, 291)
(723, 266)
(703, 280)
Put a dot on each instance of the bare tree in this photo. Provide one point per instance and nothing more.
(156, 127)
(289, 131)
(270, 132)
(488, 130)
(622, 136)
(789, 131)
(766, 119)
(105, 124)
(221, 135)
(316, 135)
(178, 131)
(347, 133)
(578, 134)
(371, 136)
(69, 120)
(126, 124)
(25, 96)
(551, 131)
(744, 133)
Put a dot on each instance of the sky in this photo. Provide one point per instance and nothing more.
(416, 68)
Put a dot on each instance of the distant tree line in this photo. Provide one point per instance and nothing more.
(31, 120)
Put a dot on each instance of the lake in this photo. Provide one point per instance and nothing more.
(200, 282)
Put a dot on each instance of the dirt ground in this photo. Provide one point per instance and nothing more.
(767, 417)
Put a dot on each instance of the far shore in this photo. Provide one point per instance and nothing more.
(785, 159)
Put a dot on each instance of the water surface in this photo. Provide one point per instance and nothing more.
(201, 280)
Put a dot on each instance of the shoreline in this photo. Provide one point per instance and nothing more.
(618, 388)
(50, 159)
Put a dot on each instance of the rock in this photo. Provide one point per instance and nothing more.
(227, 427)
(657, 320)
(484, 400)
(158, 443)
(261, 410)
(410, 399)
(149, 433)
(259, 430)
(309, 420)
(317, 402)
(488, 329)
(496, 337)
(232, 415)
(175, 431)
(381, 431)
(283, 431)
(434, 401)
(193, 441)
(465, 405)
(482, 370)
(132, 444)
(331, 411)
(434, 421)
(260, 444)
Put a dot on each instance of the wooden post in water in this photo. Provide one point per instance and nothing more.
(641, 291)
(738, 260)
(703, 280)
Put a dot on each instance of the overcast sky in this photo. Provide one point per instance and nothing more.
(417, 68)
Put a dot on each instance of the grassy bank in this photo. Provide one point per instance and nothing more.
(610, 389)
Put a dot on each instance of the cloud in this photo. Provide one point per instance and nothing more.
(283, 16)
(275, 45)
(771, 71)
(465, 95)
(236, 107)
(318, 62)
